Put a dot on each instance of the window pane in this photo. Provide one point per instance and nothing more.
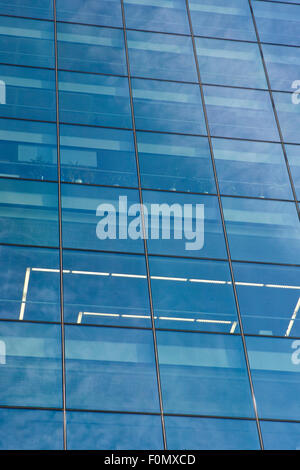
(28, 150)
(265, 231)
(31, 430)
(176, 163)
(289, 116)
(41, 9)
(192, 295)
(28, 213)
(203, 374)
(106, 289)
(283, 65)
(98, 431)
(255, 169)
(106, 12)
(211, 434)
(239, 63)
(110, 369)
(97, 156)
(30, 365)
(293, 153)
(91, 49)
(280, 435)
(155, 15)
(161, 56)
(29, 284)
(168, 107)
(94, 99)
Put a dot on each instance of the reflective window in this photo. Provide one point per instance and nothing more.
(106, 12)
(41, 9)
(29, 284)
(155, 15)
(31, 430)
(91, 49)
(260, 230)
(176, 163)
(293, 153)
(269, 298)
(216, 18)
(283, 64)
(28, 150)
(289, 116)
(30, 365)
(210, 434)
(255, 169)
(192, 295)
(92, 431)
(280, 435)
(168, 107)
(28, 213)
(246, 114)
(239, 63)
(162, 56)
(97, 156)
(203, 374)
(94, 99)
(106, 289)
(110, 369)
(275, 365)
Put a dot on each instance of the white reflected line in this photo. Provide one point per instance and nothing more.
(24, 295)
(97, 314)
(90, 273)
(252, 284)
(278, 286)
(208, 281)
(139, 276)
(293, 318)
(164, 278)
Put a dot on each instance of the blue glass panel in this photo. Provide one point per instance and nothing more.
(91, 49)
(293, 153)
(192, 295)
(162, 56)
(29, 284)
(28, 212)
(106, 289)
(275, 365)
(176, 163)
(31, 430)
(98, 431)
(255, 169)
(289, 116)
(40, 9)
(168, 107)
(246, 114)
(260, 230)
(28, 150)
(105, 12)
(216, 18)
(94, 99)
(283, 65)
(30, 365)
(203, 374)
(280, 435)
(268, 298)
(211, 434)
(239, 63)
(155, 15)
(110, 369)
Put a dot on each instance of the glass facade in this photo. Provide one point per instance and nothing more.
(137, 342)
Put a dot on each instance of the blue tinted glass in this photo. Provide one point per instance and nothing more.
(94, 99)
(161, 56)
(104, 12)
(30, 365)
(91, 49)
(106, 289)
(98, 431)
(110, 369)
(176, 163)
(88, 226)
(260, 230)
(245, 114)
(27, 93)
(155, 15)
(275, 365)
(40, 9)
(280, 435)
(239, 63)
(268, 298)
(184, 224)
(28, 150)
(28, 213)
(168, 107)
(97, 156)
(29, 284)
(251, 169)
(216, 18)
(192, 295)
(293, 153)
(210, 434)
(283, 66)
(289, 116)
(203, 374)
(31, 430)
